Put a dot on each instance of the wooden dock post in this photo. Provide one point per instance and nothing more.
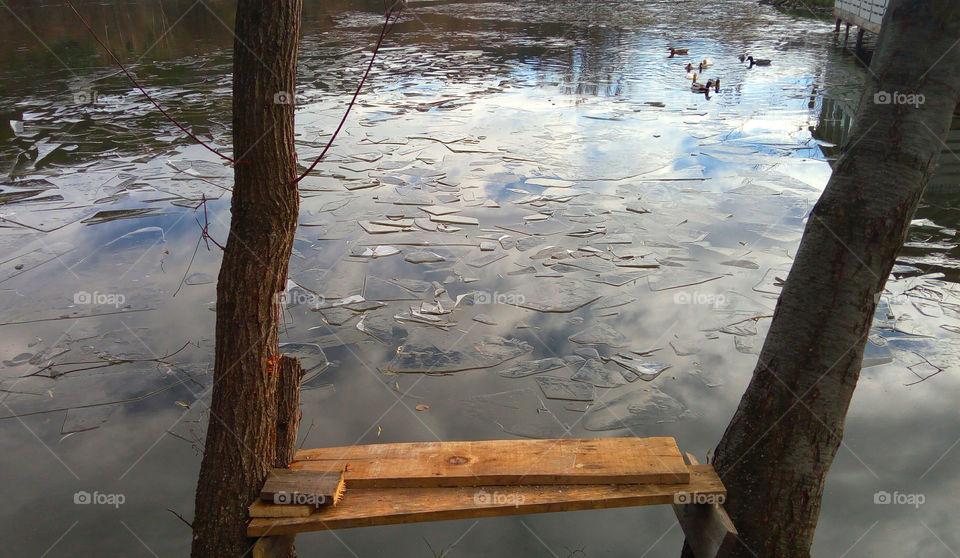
(859, 47)
(708, 529)
(837, 29)
(288, 423)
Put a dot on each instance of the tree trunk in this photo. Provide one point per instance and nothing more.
(242, 436)
(779, 445)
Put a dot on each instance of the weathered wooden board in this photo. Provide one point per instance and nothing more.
(709, 531)
(367, 507)
(288, 487)
(503, 462)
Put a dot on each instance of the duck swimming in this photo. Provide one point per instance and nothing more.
(701, 87)
(675, 51)
(688, 67)
(758, 61)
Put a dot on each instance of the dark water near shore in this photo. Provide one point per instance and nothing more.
(642, 216)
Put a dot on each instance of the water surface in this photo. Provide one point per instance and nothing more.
(619, 217)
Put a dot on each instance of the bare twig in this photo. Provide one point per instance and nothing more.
(383, 33)
(923, 378)
(137, 85)
(94, 364)
(92, 405)
(180, 517)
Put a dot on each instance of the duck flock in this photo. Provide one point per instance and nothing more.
(693, 72)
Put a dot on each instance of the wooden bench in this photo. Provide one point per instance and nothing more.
(390, 484)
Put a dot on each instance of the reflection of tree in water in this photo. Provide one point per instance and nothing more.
(595, 65)
(169, 29)
(932, 241)
(178, 49)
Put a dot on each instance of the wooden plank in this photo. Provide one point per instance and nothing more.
(710, 532)
(316, 488)
(388, 506)
(503, 462)
(259, 508)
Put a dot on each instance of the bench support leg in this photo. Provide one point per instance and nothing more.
(708, 529)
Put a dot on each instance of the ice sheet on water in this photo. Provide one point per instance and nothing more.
(382, 326)
(19, 196)
(681, 278)
(555, 387)
(484, 319)
(744, 328)
(600, 334)
(531, 367)
(614, 301)
(686, 347)
(747, 345)
(589, 263)
(361, 306)
(633, 368)
(528, 242)
(117, 214)
(587, 353)
(742, 263)
(86, 418)
(773, 280)
(202, 169)
(18, 360)
(754, 190)
(486, 260)
(412, 285)
(520, 412)
(640, 407)
(557, 297)
(549, 182)
(375, 288)
(618, 279)
(454, 220)
(440, 210)
(427, 358)
(372, 227)
(423, 256)
(596, 373)
(709, 377)
(312, 358)
(200, 279)
(374, 252)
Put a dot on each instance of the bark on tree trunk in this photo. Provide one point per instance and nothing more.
(779, 445)
(243, 441)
